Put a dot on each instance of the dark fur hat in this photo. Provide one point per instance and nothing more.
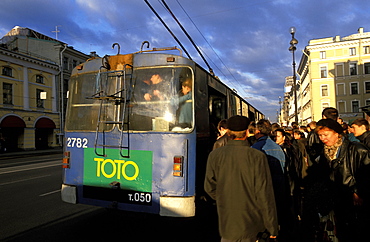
(331, 124)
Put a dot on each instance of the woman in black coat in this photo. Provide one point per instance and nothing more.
(340, 180)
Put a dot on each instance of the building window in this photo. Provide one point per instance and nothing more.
(339, 70)
(341, 89)
(367, 68)
(367, 87)
(7, 71)
(355, 106)
(323, 72)
(65, 63)
(7, 93)
(352, 51)
(354, 88)
(341, 107)
(39, 79)
(367, 49)
(324, 91)
(322, 54)
(353, 69)
(367, 102)
(39, 101)
(324, 105)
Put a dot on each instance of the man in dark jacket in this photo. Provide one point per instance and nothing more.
(361, 131)
(239, 179)
(314, 145)
(276, 161)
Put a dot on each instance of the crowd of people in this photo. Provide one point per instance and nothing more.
(292, 183)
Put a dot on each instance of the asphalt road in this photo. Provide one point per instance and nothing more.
(31, 210)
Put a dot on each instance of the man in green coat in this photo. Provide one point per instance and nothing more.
(239, 179)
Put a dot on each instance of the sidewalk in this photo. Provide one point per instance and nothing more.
(15, 154)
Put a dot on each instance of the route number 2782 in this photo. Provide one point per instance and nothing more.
(77, 142)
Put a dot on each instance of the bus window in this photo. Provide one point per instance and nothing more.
(162, 100)
(82, 112)
(158, 99)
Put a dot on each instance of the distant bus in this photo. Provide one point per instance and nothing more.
(136, 143)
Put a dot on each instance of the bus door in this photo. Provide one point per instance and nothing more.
(217, 110)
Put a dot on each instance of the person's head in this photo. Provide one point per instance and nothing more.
(222, 127)
(312, 125)
(297, 134)
(156, 78)
(294, 125)
(238, 127)
(280, 136)
(263, 127)
(350, 129)
(289, 130)
(186, 86)
(303, 129)
(360, 126)
(275, 126)
(329, 131)
(331, 113)
(340, 121)
(252, 128)
(345, 127)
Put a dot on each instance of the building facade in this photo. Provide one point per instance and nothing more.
(35, 71)
(287, 105)
(334, 72)
(29, 117)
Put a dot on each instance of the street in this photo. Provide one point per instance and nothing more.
(31, 210)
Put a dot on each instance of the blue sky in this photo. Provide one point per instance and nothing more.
(245, 41)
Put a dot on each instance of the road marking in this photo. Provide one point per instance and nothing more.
(37, 177)
(48, 193)
(29, 167)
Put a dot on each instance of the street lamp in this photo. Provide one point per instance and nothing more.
(280, 110)
(292, 49)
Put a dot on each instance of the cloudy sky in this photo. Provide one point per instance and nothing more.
(245, 41)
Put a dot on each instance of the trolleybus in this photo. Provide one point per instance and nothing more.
(139, 128)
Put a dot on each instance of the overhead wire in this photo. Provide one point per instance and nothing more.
(187, 35)
(200, 32)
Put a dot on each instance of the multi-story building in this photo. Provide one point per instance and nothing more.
(35, 71)
(335, 72)
(29, 117)
(287, 110)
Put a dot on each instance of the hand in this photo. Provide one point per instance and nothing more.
(158, 94)
(147, 97)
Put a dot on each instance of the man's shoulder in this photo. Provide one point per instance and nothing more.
(272, 143)
(366, 135)
(259, 143)
(241, 145)
(265, 142)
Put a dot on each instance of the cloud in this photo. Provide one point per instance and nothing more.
(245, 42)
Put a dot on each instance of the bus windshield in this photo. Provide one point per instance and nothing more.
(155, 99)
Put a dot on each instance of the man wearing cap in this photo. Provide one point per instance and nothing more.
(239, 179)
(347, 165)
